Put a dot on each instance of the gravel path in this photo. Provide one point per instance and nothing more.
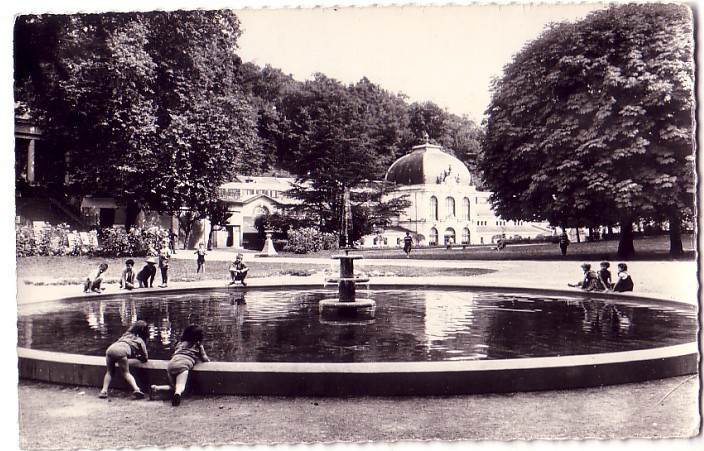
(53, 417)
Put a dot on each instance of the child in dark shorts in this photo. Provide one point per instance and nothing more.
(605, 276)
(188, 352)
(132, 345)
(94, 279)
(146, 275)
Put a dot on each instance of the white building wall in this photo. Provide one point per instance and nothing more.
(482, 225)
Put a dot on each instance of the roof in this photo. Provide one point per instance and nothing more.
(428, 165)
(273, 182)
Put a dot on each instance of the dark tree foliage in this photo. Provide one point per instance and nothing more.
(144, 106)
(592, 123)
(157, 110)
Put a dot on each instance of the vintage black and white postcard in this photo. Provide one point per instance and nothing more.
(351, 224)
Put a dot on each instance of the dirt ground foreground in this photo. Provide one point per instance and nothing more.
(64, 417)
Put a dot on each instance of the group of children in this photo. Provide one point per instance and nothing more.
(601, 280)
(130, 279)
(133, 345)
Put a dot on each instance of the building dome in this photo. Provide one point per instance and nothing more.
(428, 165)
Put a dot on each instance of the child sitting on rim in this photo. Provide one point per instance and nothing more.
(94, 279)
(238, 270)
(128, 275)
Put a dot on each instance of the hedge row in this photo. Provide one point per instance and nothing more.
(107, 242)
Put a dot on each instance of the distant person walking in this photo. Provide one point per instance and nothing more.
(624, 282)
(132, 345)
(564, 242)
(188, 352)
(407, 244)
(172, 241)
(200, 259)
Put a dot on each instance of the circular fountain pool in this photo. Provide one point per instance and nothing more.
(421, 341)
(410, 325)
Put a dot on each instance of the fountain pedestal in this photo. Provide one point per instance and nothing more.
(347, 305)
(268, 250)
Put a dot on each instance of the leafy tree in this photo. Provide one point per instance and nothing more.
(386, 117)
(373, 208)
(593, 121)
(219, 215)
(333, 148)
(265, 88)
(86, 81)
(145, 106)
(426, 118)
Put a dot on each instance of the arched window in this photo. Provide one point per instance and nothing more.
(465, 236)
(450, 207)
(433, 208)
(433, 237)
(260, 210)
(450, 236)
(465, 209)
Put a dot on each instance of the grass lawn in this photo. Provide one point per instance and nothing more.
(647, 248)
(65, 270)
(72, 270)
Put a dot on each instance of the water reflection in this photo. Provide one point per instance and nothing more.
(410, 325)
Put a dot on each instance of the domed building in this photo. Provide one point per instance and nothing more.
(445, 206)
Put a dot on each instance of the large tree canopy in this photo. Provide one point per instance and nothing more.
(156, 110)
(145, 106)
(592, 123)
(334, 145)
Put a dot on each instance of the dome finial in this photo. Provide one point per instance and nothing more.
(425, 137)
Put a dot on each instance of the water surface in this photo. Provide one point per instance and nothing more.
(410, 325)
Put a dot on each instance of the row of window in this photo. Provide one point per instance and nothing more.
(236, 193)
(449, 236)
(450, 207)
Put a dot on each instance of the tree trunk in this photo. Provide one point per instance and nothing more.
(675, 234)
(576, 231)
(625, 243)
(186, 223)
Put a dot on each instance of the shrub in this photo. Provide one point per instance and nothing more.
(117, 242)
(112, 241)
(49, 240)
(310, 239)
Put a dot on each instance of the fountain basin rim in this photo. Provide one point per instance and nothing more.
(347, 257)
(358, 303)
(269, 285)
(383, 378)
(357, 279)
(684, 349)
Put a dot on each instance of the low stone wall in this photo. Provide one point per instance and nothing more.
(379, 379)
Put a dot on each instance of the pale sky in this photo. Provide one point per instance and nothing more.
(447, 55)
(443, 54)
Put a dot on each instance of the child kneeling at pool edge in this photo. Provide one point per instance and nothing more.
(188, 352)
